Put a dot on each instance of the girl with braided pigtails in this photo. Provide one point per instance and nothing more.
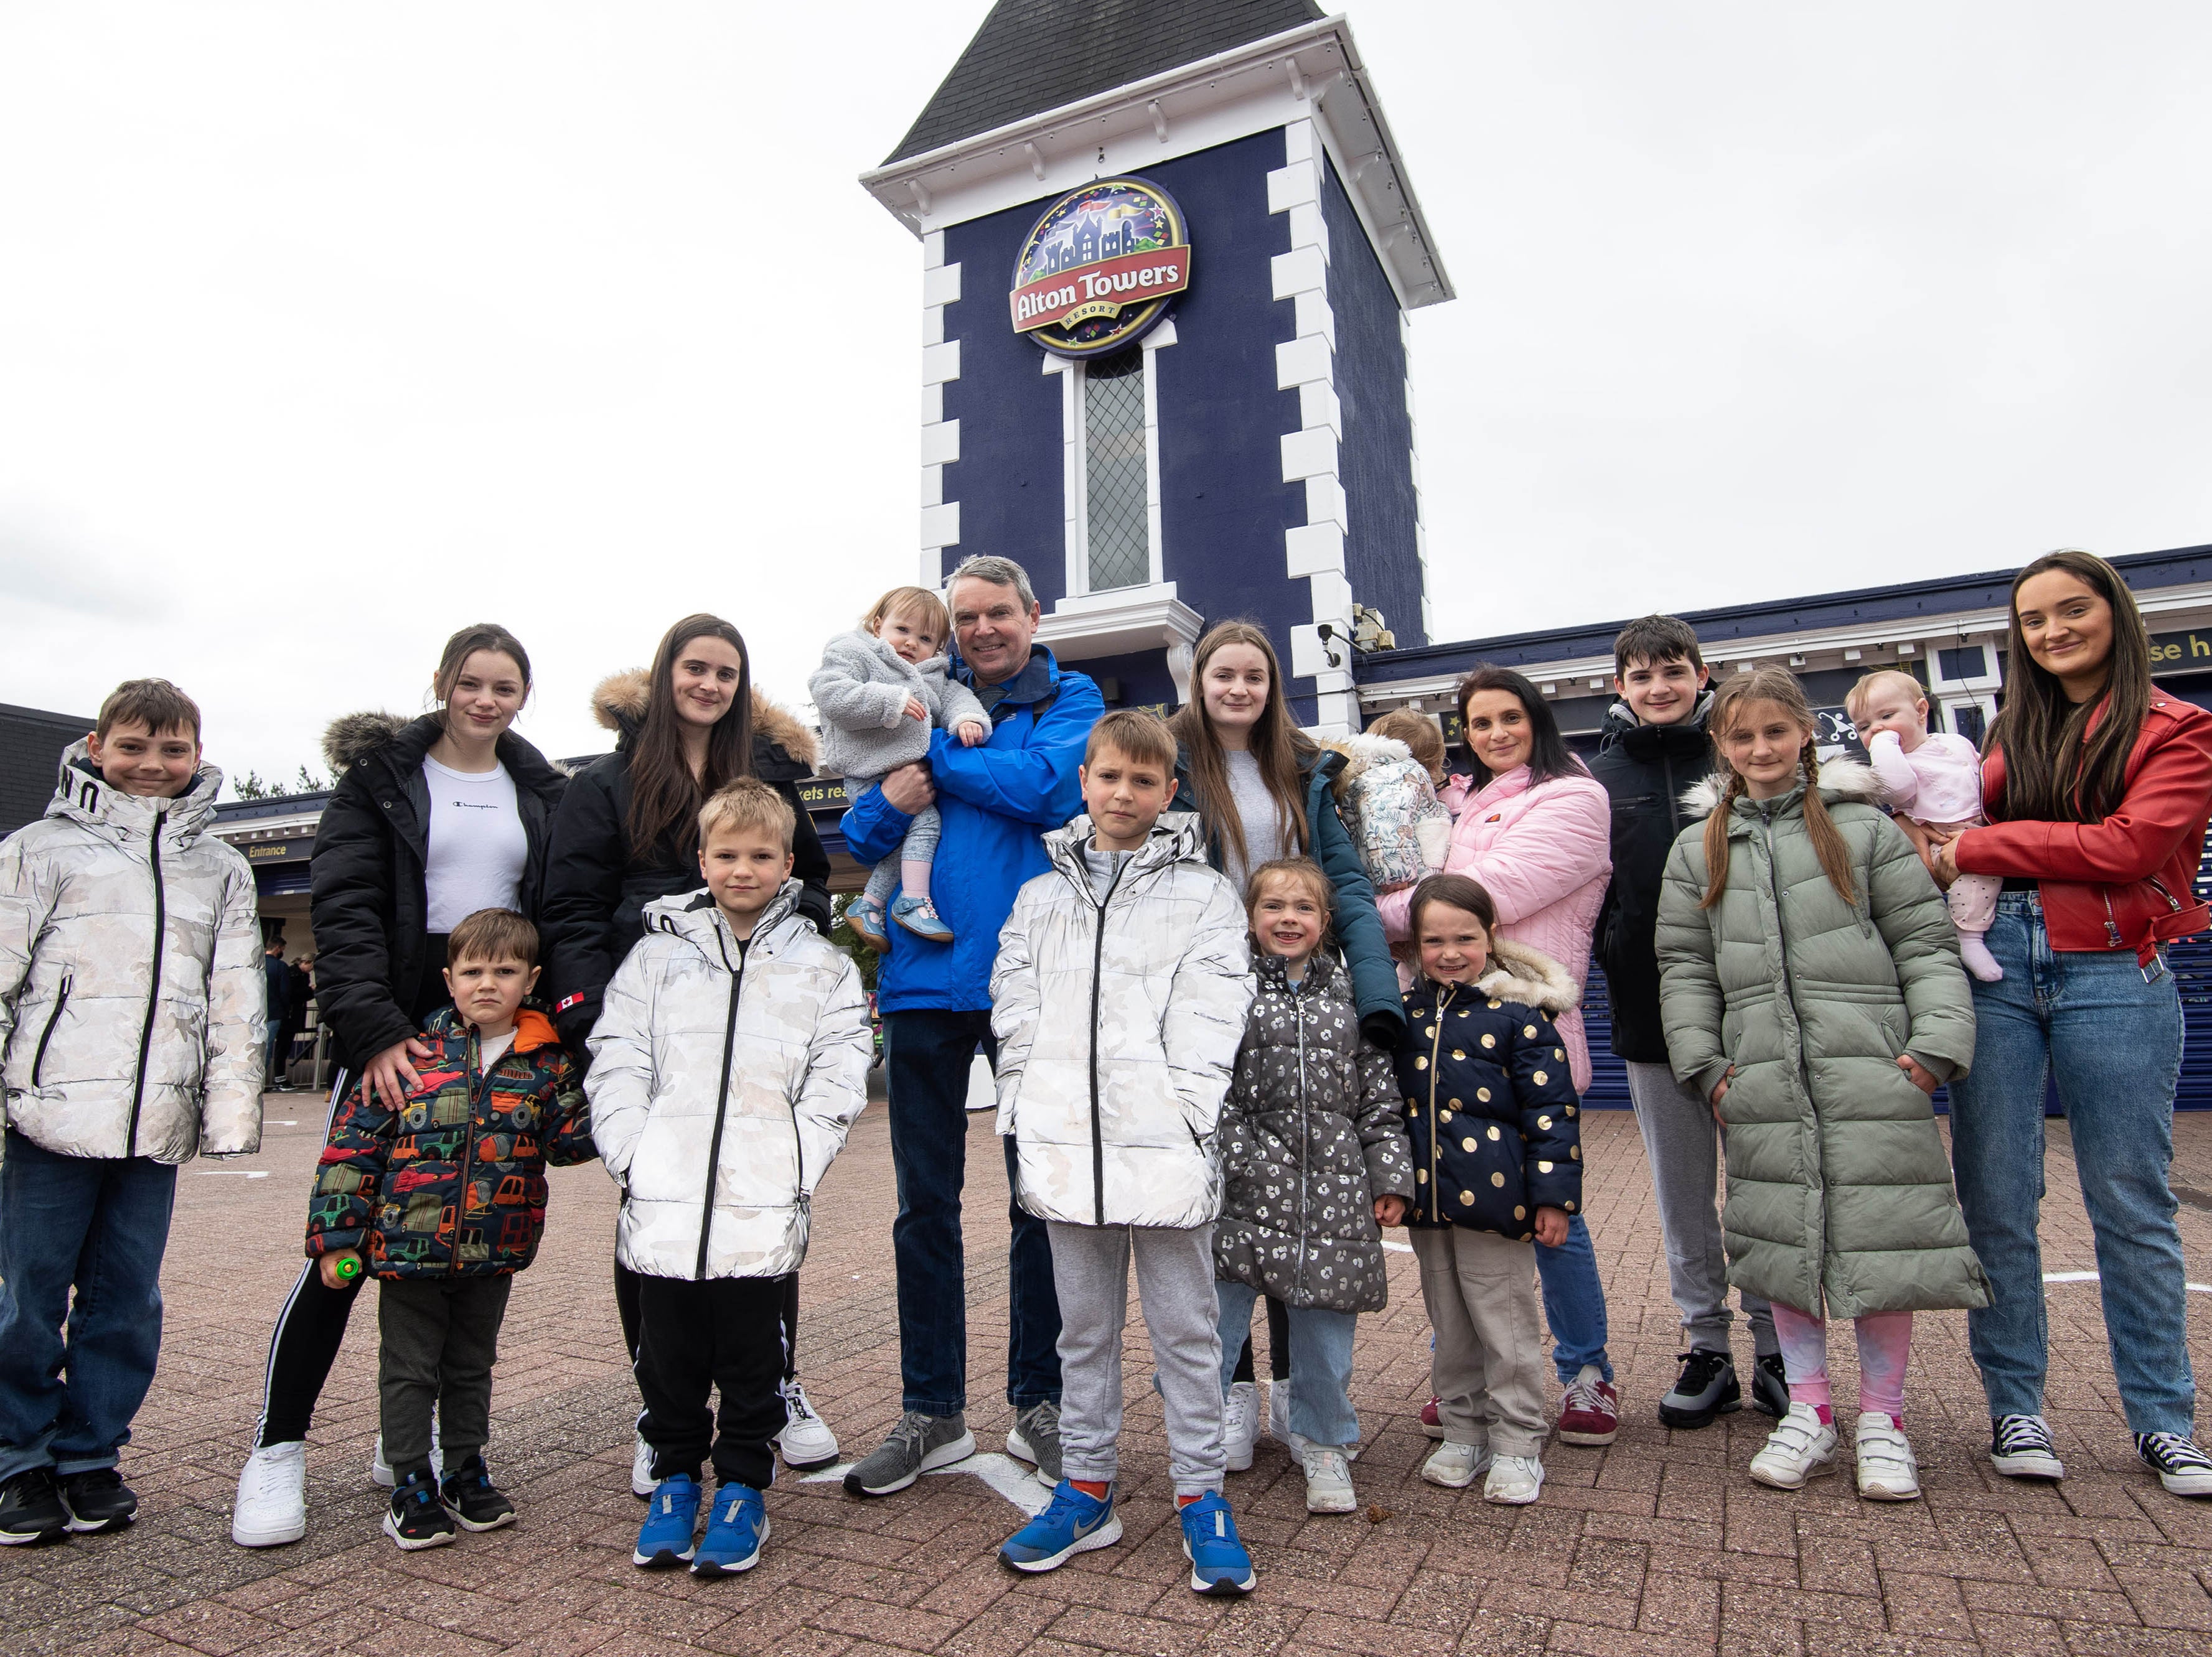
(1811, 988)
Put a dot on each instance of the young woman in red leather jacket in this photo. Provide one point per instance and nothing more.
(2097, 786)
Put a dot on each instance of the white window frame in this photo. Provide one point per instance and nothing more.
(1075, 493)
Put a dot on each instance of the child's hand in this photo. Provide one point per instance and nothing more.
(1551, 1227)
(1921, 1078)
(915, 710)
(329, 1267)
(971, 733)
(1720, 1092)
(1390, 1210)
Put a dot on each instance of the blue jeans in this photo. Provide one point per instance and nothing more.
(1574, 1302)
(2111, 1033)
(928, 1054)
(1321, 1358)
(97, 1225)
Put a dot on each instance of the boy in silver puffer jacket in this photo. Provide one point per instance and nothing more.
(131, 1017)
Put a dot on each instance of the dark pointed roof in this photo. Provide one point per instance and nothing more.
(1035, 55)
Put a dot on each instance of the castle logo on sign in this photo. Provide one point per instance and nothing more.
(1098, 270)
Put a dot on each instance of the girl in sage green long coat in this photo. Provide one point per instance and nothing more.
(1811, 988)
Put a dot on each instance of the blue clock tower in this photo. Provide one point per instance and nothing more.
(1252, 452)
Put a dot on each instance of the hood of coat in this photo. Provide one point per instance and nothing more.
(619, 702)
(1841, 780)
(1362, 753)
(1518, 973)
(1176, 838)
(84, 796)
(1622, 728)
(693, 917)
(403, 742)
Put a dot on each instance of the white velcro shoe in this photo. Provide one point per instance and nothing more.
(271, 1508)
(1515, 1481)
(641, 1481)
(1240, 1423)
(1455, 1467)
(1887, 1472)
(1800, 1448)
(1328, 1480)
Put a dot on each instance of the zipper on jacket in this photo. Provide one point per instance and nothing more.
(1436, 1128)
(1097, 1125)
(721, 1103)
(1305, 1135)
(471, 1058)
(52, 1019)
(1789, 995)
(154, 989)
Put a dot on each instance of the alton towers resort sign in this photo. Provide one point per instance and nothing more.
(1099, 269)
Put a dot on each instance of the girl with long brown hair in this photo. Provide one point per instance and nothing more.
(2097, 786)
(1811, 989)
(1261, 787)
(628, 833)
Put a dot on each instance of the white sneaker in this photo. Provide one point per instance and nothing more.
(1887, 1472)
(1455, 1467)
(380, 1470)
(805, 1440)
(1279, 1415)
(641, 1481)
(1514, 1481)
(1328, 1480)
(1798, 1448)
(271, 1508)
(1240, 1423)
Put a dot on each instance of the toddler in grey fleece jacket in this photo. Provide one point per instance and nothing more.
(880, 690)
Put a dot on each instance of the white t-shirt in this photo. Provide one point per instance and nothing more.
(493, 1048)
(478, 847)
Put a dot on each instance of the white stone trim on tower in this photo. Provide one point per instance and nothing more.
(1314, 551)
(1413, 459)
(940, 438)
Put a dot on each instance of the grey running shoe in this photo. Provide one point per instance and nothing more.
(1706, 1389)
(1036, 1440)
(916, 1444)
(1770, 1388)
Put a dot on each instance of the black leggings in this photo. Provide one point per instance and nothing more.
(1279, 1346)
(625, 1281)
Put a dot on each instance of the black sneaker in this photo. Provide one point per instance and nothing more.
(1770, 1386)
(418, 1519)
(1706, 1387)
(2180, 1465)
(470, 1495)
(98, 1501)
(32, 1510)
(2021, 1447)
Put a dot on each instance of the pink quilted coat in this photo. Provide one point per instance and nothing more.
(1544, 854)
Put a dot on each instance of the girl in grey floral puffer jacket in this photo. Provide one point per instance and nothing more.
(1315, 1154)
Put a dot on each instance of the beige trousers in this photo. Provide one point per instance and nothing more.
(1488, 1370)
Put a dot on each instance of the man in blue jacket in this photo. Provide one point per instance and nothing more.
(996, 801)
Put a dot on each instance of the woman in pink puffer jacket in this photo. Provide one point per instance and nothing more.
(1535, 829)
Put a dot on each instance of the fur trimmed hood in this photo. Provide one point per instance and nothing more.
(1840, 780)
(1518, 973)
(353, 737)
(618, 704)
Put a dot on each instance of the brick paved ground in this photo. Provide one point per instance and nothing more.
(1659, 1544)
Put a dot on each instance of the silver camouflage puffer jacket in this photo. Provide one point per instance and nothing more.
(723, 1081)
(1118, 1024)
(130, 978)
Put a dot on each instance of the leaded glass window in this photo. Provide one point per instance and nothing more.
(1116, 522)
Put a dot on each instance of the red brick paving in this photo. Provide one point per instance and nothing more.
(1660, 1545)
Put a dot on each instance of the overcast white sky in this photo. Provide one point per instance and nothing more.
(326, 328)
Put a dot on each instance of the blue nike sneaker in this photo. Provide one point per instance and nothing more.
(1219, 1563)
(664, 1541)
(736, 1525)
(1072, 1523)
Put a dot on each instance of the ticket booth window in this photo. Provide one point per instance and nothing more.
(1117, 521)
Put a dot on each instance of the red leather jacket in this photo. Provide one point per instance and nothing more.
(2126, 882)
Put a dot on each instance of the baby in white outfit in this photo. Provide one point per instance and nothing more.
(1934, 779)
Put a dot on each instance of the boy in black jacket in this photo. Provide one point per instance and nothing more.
(1654, 747)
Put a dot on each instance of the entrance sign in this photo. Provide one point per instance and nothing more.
(1098, 270)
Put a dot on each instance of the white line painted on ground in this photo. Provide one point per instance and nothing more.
(1014, 1480)
(1397, 1248)
(232, 1173)
(2091, 1277)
